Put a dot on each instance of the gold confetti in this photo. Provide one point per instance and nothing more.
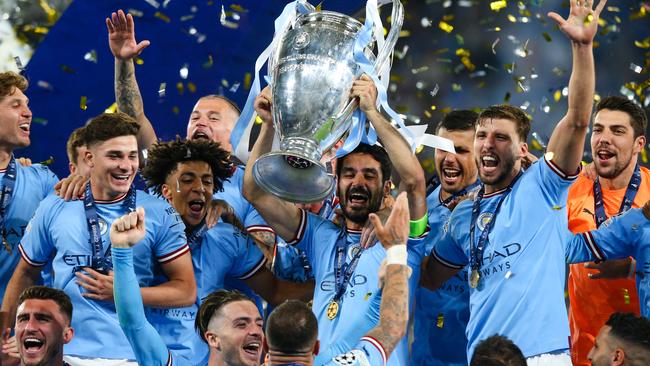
(258, 120)
(419, 149)
(557, 207)
(191, 87)
(238, 8)
(367, 296)
(162, 17)
(139, 60)
(111, 109)
(512, 18)
(643, 44)
(498, 5)
(180, 88)
(440, 321)
(445, 26)
(208, 64)
(83, 103)
(644, 155)
(175, 110)
(247, 80)
(547, 37)
(557, 95)
(626, 296)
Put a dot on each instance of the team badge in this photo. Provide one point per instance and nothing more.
(484, 219)
(354, 357)
(353, 250)
(103, 227)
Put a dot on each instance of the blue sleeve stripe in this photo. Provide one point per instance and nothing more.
(593, 247)
(173, 255)
(301, 228)
(377, 345)
(253, 271)
(27, 259)
(445, 262)
(559, 171)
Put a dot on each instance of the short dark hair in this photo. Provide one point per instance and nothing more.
(459, 120)
(631, 329)
(377, 152)
(212, 304)
(75, 140)
(109, 125)
(48, 293)
(163, 159)
(10, 81)
(497, 350)
(638, 117)
(230, 102)
(291, 328)
(512, 113)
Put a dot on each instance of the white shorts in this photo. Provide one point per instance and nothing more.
(76, 361)
(550, 359)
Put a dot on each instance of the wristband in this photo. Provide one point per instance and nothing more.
(397, 254)
(418, 227)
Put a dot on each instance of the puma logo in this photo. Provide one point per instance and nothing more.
(589, 212)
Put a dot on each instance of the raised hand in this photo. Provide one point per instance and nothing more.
(128, 230)
(121, 36)
(364, 89)
(396, 230)
(582, 23)
(263, 105)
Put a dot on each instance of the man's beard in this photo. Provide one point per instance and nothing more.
(508, 164)
(361, 216)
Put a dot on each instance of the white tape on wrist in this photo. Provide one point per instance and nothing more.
(397, 255)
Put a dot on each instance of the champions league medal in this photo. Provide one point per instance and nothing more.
(333, 310)
(473, 278)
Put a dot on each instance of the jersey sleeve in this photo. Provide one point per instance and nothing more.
(619, 237)
(368, 352)
(553, 181)
(48, 179)
(448, 250)
(36, 246)
(305, 238)
(170, 241)
(147, 345)
(249, 257)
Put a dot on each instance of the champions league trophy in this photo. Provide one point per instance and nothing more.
(313, 67)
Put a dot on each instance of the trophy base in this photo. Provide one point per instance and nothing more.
(293, 178)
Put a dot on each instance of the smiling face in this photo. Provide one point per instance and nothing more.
(41, 332)
(189, 190)
(212, 119)
(113, 164)
(15, 120)
(498, 152)
(613, 145)
(456, 171)
(360, 186)
(236, 332)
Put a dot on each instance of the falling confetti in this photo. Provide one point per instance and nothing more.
(498, 5)
(83, 103)
(184, 71)
(91, 56)
(445, 26)
(162, 89)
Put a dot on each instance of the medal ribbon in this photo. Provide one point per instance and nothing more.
(476, 253)
(99, 261)
(8, 184)
(343, 271)
(461, 193)
(197, 234)
(628, 199)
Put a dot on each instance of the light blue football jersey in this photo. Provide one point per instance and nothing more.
(358, 312)
(58, 234)
(222, 252)
(521, 290)
(440, 316)
(32, 185)
(619, 237)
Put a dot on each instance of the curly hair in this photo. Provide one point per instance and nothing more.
(10, 81)
(163, 159)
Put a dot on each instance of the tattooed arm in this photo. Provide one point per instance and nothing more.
(121, 39)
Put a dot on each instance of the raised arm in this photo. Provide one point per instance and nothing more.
(404, 161)
(284, 217)
(567, 140)
(121, 39)
(393, 311)
(275, 291)
(148, 346)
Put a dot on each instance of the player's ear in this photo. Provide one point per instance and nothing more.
(89, 158)
(213, 340)
(316, 348)
(166, 192)
(68, 333)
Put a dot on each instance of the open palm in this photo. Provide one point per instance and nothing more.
(582, 23)
(121, 36)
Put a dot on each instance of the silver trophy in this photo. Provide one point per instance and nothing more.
(313, 69)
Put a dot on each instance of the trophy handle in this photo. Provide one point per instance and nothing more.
(397, 19)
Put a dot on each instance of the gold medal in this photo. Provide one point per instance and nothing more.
(473, 278)
(6, 244)
(333, 310)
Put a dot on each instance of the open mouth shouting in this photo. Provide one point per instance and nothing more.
(450, 175)
(489, 163)
(253, 350)
(604, 156)
(33, 345)
(196, 209)
(358, 197)
(200, 134)
(25, 127)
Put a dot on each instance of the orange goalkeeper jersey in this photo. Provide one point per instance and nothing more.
(593, 301)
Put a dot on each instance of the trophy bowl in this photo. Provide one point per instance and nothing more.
(313, 68)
